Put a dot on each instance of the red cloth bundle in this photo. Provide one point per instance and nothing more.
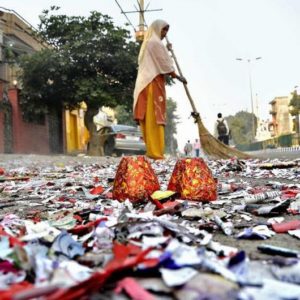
(193, 180)
(135, 179)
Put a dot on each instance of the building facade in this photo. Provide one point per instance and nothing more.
(281, 122)
(263, 130)
(16, 38)
(18, 134)
(57, 132)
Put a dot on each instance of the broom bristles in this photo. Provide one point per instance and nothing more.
(213, 147)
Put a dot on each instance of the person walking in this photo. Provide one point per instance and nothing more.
(149, 105)
(222, 130)
(197, 147)
(188, 148)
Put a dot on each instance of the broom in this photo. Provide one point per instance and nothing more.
(211, 146)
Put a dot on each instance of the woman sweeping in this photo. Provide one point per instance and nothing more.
(149, 104)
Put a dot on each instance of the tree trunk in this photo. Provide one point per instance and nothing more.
(95, 146)
(55, 130)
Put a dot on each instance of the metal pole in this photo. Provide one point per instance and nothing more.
(251, 92)
(139, 35)
(142, 19)
(251, 98)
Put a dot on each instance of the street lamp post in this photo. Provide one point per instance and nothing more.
(251, 89)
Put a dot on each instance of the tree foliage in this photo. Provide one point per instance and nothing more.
(171, 127)
(295, 109)
(295, 104)
(89, 59)
(241, 127)
(124, 115)
(45, 85)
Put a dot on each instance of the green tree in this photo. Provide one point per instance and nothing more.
(89, 59)
(171, 127)
(124, 115)
(295, 110)
(241, 127)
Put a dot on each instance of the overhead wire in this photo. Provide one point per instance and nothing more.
(124, 13)
(138, 10)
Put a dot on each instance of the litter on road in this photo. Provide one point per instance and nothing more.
(184, 228)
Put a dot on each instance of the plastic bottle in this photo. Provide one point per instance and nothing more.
(261, 196)
(224, 188)
(227, 227)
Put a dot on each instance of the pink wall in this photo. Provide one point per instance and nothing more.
(27, 137)
(1, 121)
(1, 132)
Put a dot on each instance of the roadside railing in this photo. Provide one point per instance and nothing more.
(283, 141)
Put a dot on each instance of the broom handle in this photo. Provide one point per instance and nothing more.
(184, 85)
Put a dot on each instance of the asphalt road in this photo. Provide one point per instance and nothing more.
(53, 183)
(276, 153)
(60, 162)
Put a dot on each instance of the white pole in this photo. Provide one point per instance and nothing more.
(142, 20)
(251, 98)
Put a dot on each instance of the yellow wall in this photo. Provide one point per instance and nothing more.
(76, 133)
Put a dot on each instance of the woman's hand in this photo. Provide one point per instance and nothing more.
(181, 79)
(169, 46)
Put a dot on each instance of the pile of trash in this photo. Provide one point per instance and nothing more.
(64, 236)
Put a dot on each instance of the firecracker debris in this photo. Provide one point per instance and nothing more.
(60, 227)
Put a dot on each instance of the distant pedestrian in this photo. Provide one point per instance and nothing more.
(188, 148)
(197, 147)
(222, 130)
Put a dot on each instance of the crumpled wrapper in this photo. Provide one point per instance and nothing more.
(135, 179)
(193, 180)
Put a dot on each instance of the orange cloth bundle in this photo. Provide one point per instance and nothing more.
(193, 180)
(135, 179)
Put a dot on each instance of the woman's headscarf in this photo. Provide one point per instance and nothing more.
(153, 58)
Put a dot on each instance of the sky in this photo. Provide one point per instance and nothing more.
(207, 37)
